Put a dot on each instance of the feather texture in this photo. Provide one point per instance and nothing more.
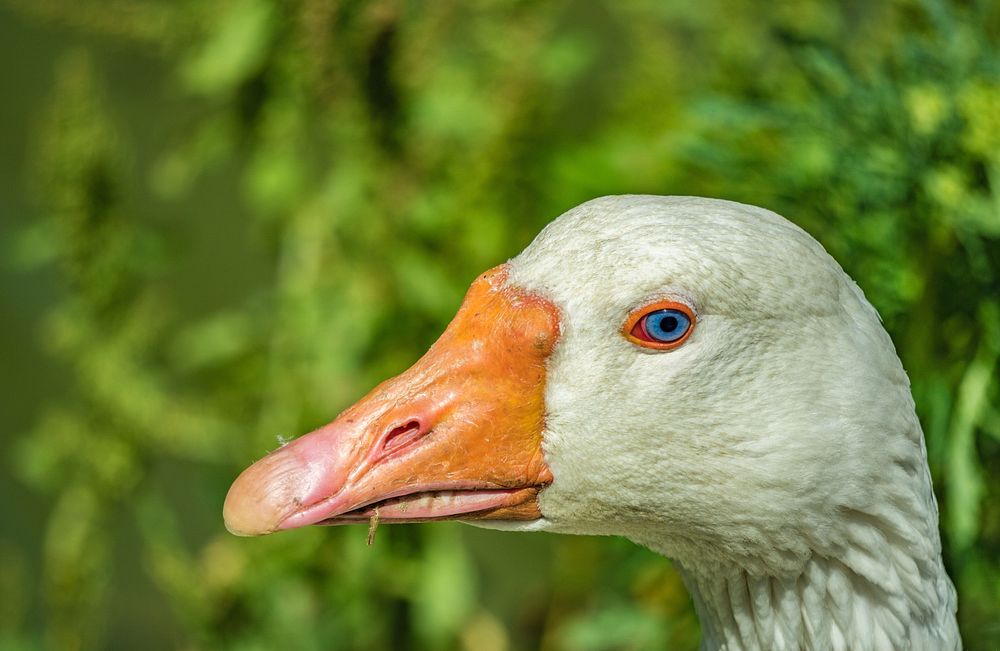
(776, 455)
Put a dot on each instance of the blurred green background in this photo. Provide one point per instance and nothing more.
(224, 220)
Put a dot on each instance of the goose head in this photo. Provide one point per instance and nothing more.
(697, 375)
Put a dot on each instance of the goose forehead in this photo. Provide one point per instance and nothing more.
(725, 257)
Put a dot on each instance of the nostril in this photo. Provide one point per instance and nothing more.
(402, 435)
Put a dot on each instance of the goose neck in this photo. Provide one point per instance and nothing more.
(830, 604)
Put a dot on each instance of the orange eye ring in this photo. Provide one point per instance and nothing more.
(634, 328)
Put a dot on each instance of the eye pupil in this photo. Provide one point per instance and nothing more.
(666, 326)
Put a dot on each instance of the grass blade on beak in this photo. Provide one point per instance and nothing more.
(372, 527)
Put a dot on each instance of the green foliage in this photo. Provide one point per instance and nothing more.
(275, 205)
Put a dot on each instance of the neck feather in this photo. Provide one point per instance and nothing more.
(870, 598)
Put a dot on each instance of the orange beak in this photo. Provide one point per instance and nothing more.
(457, 436)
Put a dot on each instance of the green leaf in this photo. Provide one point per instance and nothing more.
(965, 475)
(235, 48)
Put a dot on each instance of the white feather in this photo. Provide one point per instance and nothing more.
(775, 455)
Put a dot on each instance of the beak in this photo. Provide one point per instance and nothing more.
(458, 436)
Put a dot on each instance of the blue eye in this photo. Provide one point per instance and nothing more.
(662, 325)
(666, 326)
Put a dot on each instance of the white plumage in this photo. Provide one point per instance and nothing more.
(775, 456)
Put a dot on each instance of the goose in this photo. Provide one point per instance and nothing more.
(696, 375)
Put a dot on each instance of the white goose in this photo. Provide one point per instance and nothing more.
(699, 376)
